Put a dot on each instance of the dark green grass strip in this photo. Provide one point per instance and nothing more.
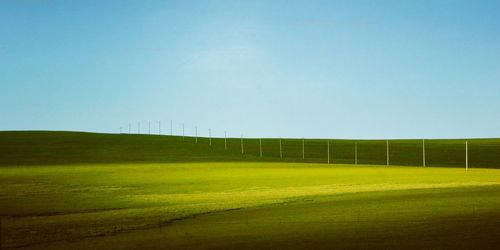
(48, 148)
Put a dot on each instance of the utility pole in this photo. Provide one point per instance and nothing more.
(225, 140)
(303, 149)
(423, 152)
(355, 153)
(466, 156)
(242, 151)
(159, 127)
(210, 136)
(387, 146)
(149, 127)
(281, 150)
(260, 146)
(328, 151)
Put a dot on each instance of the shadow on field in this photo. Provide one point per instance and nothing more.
(410, 219)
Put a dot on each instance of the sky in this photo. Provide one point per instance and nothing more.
(314, 69)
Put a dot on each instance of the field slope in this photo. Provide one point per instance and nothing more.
(20, 148)
(61, 190)
(246, 205)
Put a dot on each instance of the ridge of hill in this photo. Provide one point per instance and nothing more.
(19, 148)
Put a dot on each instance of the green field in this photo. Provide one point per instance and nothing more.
(76, 190)
(56, 148)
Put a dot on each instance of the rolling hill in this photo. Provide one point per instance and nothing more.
(58, 148)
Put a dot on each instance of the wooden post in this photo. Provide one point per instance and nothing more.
(260, 146)
(355, 153)
(303, 149)
(387, 146)
(328, 151)
(242, 151)
(423, 152)
(466, 156)
(281, 151)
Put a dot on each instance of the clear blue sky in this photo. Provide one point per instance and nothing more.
(338, 69)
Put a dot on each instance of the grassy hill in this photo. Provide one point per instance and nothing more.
(198, 201)
(49, 148)
(248, 205)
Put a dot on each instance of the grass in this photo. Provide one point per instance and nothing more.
(125, 205)
(59, 148)
(61, 190)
